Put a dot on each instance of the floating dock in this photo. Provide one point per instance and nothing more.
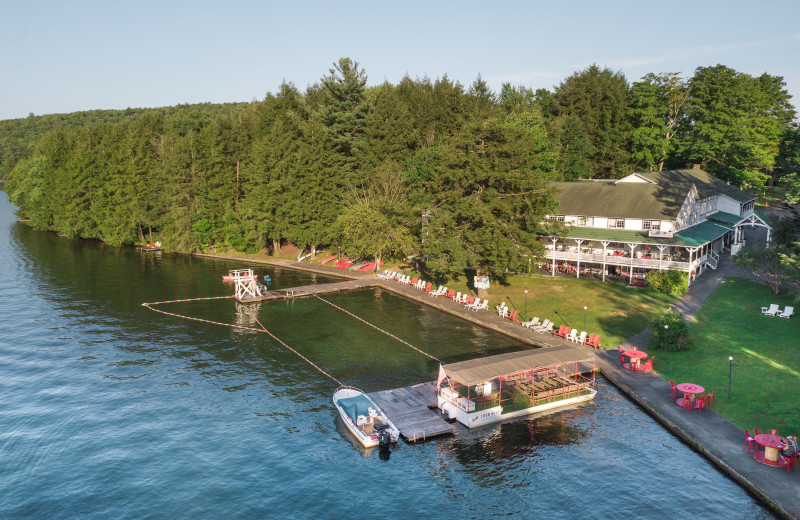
(409, 408)
(305, 290)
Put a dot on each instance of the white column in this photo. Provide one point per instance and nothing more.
(578, 270)
(630, 276)
(605, 245)
(689, 281)
(661, 257)
(553, 266)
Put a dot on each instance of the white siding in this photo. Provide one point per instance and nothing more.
(633, 223)
(728, 205)
(633, 178)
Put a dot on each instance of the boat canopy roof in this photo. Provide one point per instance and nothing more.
(355, 406)
(475, 371)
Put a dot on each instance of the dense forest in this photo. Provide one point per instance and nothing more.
(458, 175)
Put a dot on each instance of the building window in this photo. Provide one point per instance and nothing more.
(747, 207)
(557, 218)
(585, 221)
(655, 225)
(618, 223)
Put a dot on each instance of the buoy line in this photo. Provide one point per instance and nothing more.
(262, 329)
(404, 342)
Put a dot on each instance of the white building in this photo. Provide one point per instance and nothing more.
(675, 219)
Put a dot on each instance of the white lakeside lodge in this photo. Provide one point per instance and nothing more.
(673, 219)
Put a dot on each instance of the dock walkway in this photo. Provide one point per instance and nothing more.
(308, 290)
(409, 408)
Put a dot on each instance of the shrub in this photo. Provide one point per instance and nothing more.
(677, 336)
(672, 282)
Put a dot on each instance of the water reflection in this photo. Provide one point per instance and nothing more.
(146, 412)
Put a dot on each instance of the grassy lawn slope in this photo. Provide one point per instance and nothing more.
(766, 357)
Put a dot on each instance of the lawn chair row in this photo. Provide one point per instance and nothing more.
(773, 310)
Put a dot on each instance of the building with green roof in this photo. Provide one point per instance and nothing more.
(674, 219)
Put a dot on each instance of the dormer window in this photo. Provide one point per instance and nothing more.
(651, 224)
(618, 223)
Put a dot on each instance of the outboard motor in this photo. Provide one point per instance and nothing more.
(384, 436)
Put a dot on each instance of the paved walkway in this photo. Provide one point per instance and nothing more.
(709, 433)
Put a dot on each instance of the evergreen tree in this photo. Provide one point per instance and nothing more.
(599, 98)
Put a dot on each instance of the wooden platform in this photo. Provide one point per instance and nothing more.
(409, 408)
(309, 290)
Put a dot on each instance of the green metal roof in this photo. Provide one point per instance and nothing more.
(707, 184)
(659, 199)
(623, 200)
(702, 233)
(725, 218)
(693, 236)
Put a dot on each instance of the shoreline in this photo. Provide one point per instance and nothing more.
(708, 433)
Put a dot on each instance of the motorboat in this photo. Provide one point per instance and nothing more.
(365, 420)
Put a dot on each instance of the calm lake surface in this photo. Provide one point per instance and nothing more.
(109, 410)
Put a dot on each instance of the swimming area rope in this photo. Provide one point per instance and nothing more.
(404, 342)
(262, 329)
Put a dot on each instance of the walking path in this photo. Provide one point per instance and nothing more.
(718, 439)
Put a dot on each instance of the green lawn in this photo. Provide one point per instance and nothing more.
(614, 310)
(766, 357)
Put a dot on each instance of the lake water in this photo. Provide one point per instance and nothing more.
(109, 410)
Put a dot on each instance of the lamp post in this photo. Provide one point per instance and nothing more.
(666, 329)
(730, 371)
(526, 305)
(584, 318)
(339, 259)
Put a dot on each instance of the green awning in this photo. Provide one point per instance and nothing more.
(725, 218)
(702, 233)
(693, 236)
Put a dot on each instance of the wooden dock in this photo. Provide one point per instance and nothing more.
(307, 290)
(409, 408)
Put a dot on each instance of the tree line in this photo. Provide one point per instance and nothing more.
(458, 175)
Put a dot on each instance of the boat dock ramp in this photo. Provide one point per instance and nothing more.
(409, 408)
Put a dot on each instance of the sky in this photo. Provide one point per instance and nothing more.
(60, 57)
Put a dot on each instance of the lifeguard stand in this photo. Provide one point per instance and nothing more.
(247, 288)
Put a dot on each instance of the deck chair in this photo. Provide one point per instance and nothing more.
(513, 315)
(582, 338)
(483, 306)
(596, 342)
(547, 327)
(474, 304)
(540, 328)
(772, 310)
(533, 323)
(573, 335)
(563, 330)
(451, 293)
(501, 309)
(648, 367)
(788, 311)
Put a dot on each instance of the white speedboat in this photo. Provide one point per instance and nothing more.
(363, 418)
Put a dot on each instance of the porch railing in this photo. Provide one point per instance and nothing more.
(623, 260)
